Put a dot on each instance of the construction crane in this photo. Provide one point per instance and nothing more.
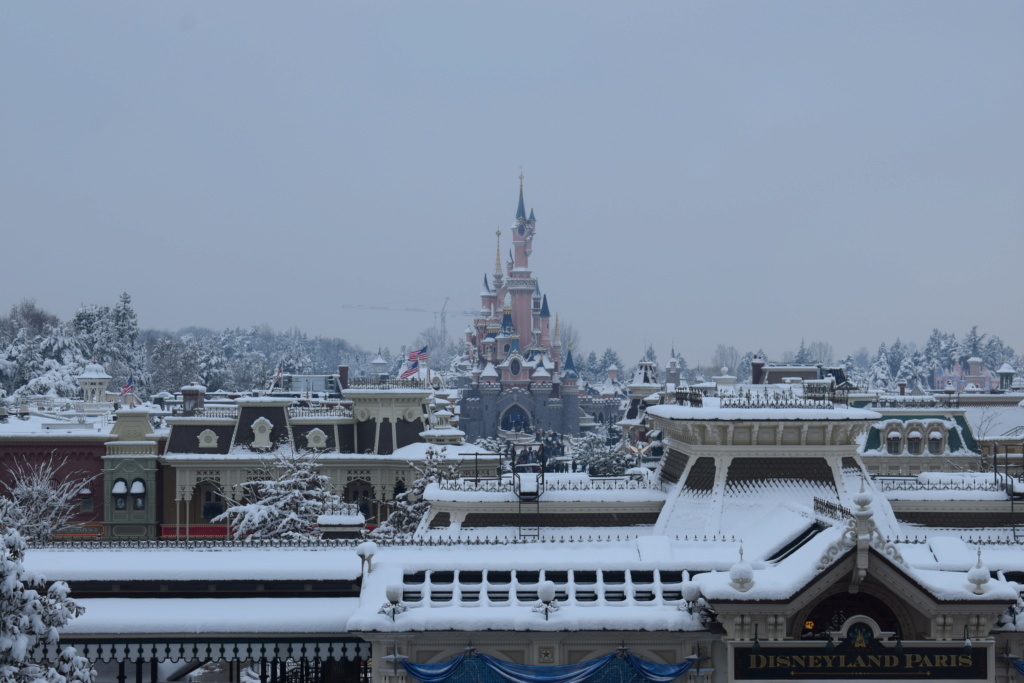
(441, 315)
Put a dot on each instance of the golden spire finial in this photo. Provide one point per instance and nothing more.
(497, 255)
(557, 339)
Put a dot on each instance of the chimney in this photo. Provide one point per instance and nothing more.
(193, 399)
(343, 377)
(756, 369)
(902, 384)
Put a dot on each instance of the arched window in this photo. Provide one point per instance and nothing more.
(120, 494)
(894, 443)
(915, 445)
(138, 493)
(935, 442)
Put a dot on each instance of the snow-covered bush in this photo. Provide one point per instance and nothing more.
(286, 502)
(30, 614)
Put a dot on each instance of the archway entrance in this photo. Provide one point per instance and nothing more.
(515, 419)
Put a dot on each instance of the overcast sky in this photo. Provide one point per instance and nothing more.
(741, 173)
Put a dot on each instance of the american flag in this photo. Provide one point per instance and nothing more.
(416, 356)
(411, 370)
(280, 369)
(128, 387)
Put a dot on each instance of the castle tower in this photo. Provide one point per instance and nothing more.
(520, 284)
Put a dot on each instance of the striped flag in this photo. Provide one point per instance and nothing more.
(128, 387)
(416, 356)
(277, 376)
(411, 370)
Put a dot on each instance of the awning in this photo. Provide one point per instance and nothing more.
(935, 436)
(138, 488)
(894, 435)
(914, 435)
(120, 488)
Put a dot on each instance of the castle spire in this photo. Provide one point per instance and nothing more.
(497, 260)
(521, 210)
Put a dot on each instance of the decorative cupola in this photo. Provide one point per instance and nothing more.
(94, 380)
(379, 366)
(1006, 374)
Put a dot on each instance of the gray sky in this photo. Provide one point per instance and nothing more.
(740, 173)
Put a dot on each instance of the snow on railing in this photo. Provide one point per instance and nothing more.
(494, 485)
(387, 383)
(774, 399)
(406, 540)
(336, 411)
(228, 413)
(958, 485)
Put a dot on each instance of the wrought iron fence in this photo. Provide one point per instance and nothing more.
(387, 383)
(319, 412)
(827, 508)
(494, 485)
(916, 485)
(220, 413)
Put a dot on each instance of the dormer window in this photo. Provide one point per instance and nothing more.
(935, 442)
(915, 445)
(316, 438)
(261, 430)
(515, 366)
(894, 443)
(207, 439)
(138, 494)
(120, 493)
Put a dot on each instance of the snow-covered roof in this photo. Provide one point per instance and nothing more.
(184, 565)
(94, 371)
(212, 615)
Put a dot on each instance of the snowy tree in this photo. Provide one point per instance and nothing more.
(820, 352)
(608, 359)
(41, 497)
(410, 507)
(601, 454)
(879, 375)
(285, 503)
(725, 357)
(971, 345)
(30, 615)
(803, 356)
(742, 370)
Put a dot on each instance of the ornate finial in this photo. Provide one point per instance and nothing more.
(558, 339)
(497, 256)
(521, 177)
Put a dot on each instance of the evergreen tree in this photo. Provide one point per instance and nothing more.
(608, 359)
(285, 503)
(971, 345)
(879, 375)
(31, 614)
(802, 356)
(897, 354)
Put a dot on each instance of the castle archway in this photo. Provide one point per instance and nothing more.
(515, 419)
